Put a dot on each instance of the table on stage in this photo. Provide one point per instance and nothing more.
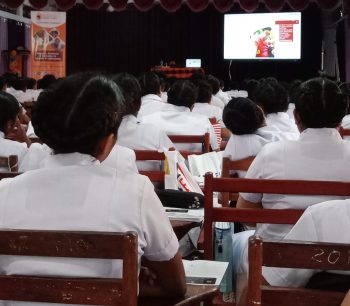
(194, 295)
(174, 72)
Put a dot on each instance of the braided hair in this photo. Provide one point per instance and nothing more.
(320, 103)
(77, 112)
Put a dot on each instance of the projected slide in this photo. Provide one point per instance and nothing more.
(262, 36)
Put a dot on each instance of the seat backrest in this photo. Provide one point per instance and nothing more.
(156, 176)
(307, 255)
(202, 139)
(229, 165)
(344, 132)
(86, 291)
(274, 216)
(9, 162)
(8, 174)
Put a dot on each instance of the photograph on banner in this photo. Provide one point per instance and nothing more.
(48, 44)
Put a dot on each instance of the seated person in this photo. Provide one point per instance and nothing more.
(215, 84)
(134, 134)
(203, 106)
(78, 117)
(273, 99)
(13, 139)
(246, 121)
(320, 154)
(151, 100)
(176, 117)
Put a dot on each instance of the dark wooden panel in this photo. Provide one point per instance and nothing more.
(63, 243)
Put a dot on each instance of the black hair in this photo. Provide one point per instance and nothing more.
(250, 86)
(205, 92)
(294, 90)
(197, 77)
(31, 83)
(46, 81)
(272, 97)
(214, 82)
(182, 93)
(150, 83)
(242, 116)
(222, 83)
(9, 109)
(3, 83)
(267, 28)
(76, 113)
(320, 104)
(131, 90)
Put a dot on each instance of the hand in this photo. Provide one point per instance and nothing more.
(147, 276)
(18, 133)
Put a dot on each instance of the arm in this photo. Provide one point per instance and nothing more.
(242, 203)
(168, 278)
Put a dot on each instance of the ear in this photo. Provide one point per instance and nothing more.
(9, 126)
(298, 121)
(105, 146)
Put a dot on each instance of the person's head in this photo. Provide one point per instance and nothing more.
(214, 82)
(80, 113)
(197, 77)
(250, 86)
(182, 93)
(272, 98)
(267, 31)
(3, 83)
(319, 104)
(294, 90)
(242, 116)
(222, 84)
(205, 92)
(9, 110)
(46, 81)
(31, 83)
(150, 83)
(131, 90)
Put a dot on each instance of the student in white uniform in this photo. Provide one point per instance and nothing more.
(273, 99)
(78, 118)
(246, 120)
(203, 106)
(134, 134)
(319, 154)
(151, 100)
(176, 117)
(223, 96)
(13, 139)
(217, 100)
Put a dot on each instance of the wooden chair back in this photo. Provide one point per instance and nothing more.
(9, 162)
(229, 165)
(143, 155)
(9, 174)
(86, 291)
(273, 216)
(306, 255)
(344, 132)
(202, 139)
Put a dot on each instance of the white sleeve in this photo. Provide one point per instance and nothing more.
(255, 171)
(304, 230)
(162, 243)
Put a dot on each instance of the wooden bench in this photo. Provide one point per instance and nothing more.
(344, 132)
(87, 291)
(156, 176)
(273, 216)
(9, 162)
(204, 140)
(307, 255)
(228, 166)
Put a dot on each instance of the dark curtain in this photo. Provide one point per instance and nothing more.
(16, 34)
(135, 41)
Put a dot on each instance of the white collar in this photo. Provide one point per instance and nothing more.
(2, 134)
(175, 108)
(323, 134)
(69, 159)
(151, 97)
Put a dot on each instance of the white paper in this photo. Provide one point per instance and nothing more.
(195, 215)
(206, 269)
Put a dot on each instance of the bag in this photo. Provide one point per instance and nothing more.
(180, 199)
(177, 176)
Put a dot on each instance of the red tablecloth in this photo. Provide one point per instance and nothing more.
(179, 73)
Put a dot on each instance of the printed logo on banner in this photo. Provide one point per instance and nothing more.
(48, 44)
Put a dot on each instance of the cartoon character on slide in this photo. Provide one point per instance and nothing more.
(264, 42)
